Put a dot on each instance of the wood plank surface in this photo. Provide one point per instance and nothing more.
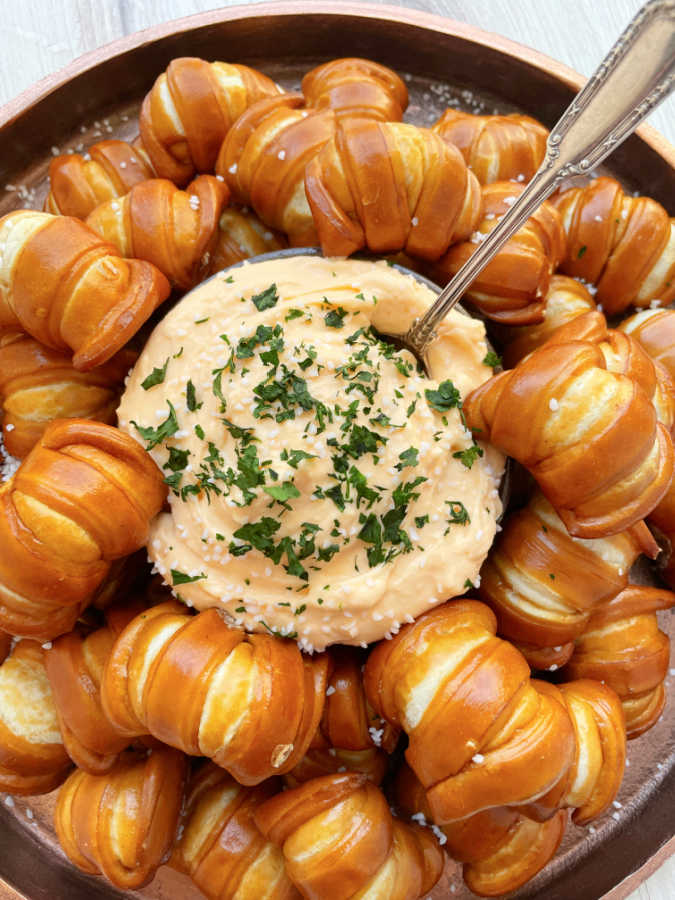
(39, 36)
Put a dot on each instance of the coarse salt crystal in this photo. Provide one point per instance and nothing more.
(281, 155)
(478, 758)
(330, 690)
(553, 404)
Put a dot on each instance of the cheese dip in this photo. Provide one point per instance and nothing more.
(321, 486)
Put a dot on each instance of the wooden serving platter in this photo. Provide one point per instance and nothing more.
(444, 64)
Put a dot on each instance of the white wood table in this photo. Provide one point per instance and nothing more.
(39, 36)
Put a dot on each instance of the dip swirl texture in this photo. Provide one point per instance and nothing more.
(322, 488)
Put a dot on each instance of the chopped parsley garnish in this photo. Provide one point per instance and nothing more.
(457, 514)
(157, 376)
(446, 397)
(492, 359)
(181, 577)
(582, 250)
(266, 299)
(282, 492)
(164, 430)
(293, 313)
(335, 318)
(407, 458)
(469, 456)
(295, 457)
(191, 397)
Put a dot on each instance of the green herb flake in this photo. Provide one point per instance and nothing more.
(446, 397)
(293, 313)
(164, 430)
(191, 397)
(581, 252)
(266, 299)
(181, 577)
(407, 458)
(469, 456)
(157, 376)
(335, 318)
(492, 360)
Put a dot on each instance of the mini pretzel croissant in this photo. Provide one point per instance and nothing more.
(515, 742)
(123, 824)
(241, 235)
(189, 110)
(654, 330)
(340, 842)
(589, 436)
(38, 385)
(355, 87)
(512, 288)
(172, 229)
(501, 848)
(389, 186)
(495, 148)
(70, 289)
(83, 497)
(79, 183)
(544, 585)
(566, 299)
(350, 734)
(625, 245)
(220, 847)
(623, 646)
(263, 161)
(33, 759)
(74, 665)
(250, 702)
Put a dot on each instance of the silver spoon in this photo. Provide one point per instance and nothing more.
(635, 76)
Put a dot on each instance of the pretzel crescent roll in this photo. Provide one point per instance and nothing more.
(389, 186)
(501, 848)
(625, 245)
(589, 436)
(78, 183)
(250, 702)
(190, 109)
(33, 759)
(83, 497)
(340, 841)
(38, 385)
(359, 88)
(172, 229)
(654, 330)
(220, 847)
(566, 299)
(449, 673)
(263, 161)
(350, 734)
(71, 290)
(544, 585)
(495, 148)
(123, 824)
(512, 288)
(74, 665)
(623, 646)
(240, 235)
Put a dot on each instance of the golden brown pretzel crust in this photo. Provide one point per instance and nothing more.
(240, 235)
(516, 742)
(358, 88)
(654, 330)
(603, 466)
(220, 847)
(625, 245)
(80, 182)
(38, 385)
(388, 186)
(566, 299)
(544, 585)
(33, 759)
(83, 497)
(495, 148)
(339, 839)
(123, 824)
(501, 848)
(512, 288)
(70, 289)
(74, 665)
(190, 109)
(172, 229)
(350, 735)
(623, 646)
(170, 675)
(263, 161)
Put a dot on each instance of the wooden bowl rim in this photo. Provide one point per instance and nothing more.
(12, 109)
(40, 90)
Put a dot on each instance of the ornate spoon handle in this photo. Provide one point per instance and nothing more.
(635, 76)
